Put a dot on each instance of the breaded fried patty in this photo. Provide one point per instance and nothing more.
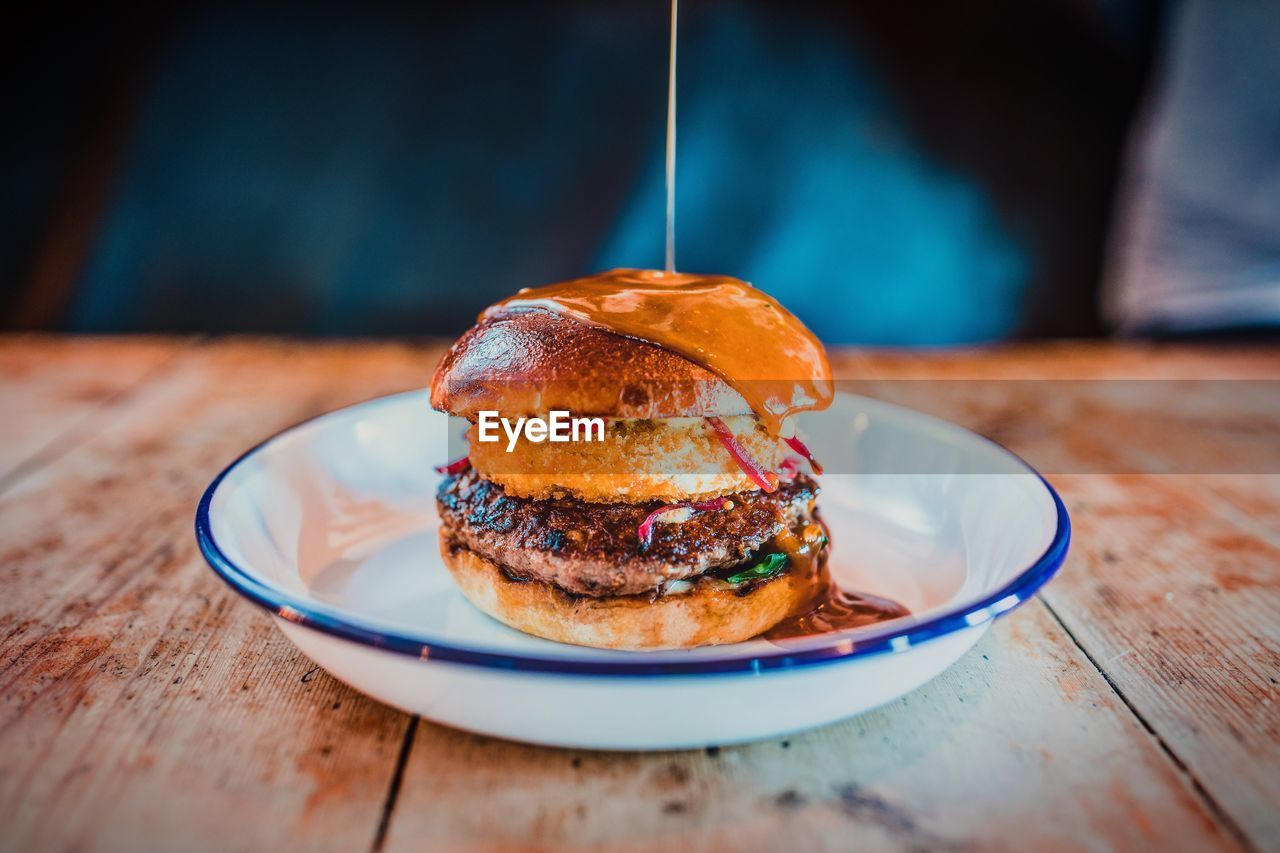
(677, 459)
(593, 548)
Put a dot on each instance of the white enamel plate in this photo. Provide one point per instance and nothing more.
(331, 526)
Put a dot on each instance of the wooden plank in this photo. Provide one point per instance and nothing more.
(1174, 585)
(1180, 604)
(143, 701)
(1252, 500)
(1062, 360)
(140, 701)
(54, 388)
(1021, 745)
(1144, 409)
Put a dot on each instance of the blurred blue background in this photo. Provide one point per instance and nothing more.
(926, 174)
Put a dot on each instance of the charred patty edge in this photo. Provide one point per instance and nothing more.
(593, 549)
(740, 590)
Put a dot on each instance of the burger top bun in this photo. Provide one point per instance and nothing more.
(533, 362)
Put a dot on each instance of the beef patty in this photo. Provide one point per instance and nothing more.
(593, 549)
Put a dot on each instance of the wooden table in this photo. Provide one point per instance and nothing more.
(1133, 705)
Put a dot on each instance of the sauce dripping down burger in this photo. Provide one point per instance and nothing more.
(721, 323)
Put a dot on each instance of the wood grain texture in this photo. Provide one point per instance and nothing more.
(1173, 584)
(53, 390)
(1181, 607)
(1021, 745)
(143, 701)
(142, 704)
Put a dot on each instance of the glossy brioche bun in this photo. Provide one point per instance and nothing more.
(534, 362)
(704, 615)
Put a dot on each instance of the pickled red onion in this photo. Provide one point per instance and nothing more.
(457, 466)
(766, 480)
(645, 530)
(790, 467)
(798, 446)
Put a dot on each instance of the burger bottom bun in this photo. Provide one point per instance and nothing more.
(704, 615)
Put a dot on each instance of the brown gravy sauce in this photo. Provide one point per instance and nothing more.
(719, 322)
(830, 608)
(836, 609)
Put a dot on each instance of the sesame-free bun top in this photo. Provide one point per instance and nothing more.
(638, 344)
(535, 361)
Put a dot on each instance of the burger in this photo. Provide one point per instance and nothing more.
(685, 516)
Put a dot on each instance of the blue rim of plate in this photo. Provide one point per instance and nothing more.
(843, 647)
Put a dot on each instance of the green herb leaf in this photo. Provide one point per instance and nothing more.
(768, 567)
